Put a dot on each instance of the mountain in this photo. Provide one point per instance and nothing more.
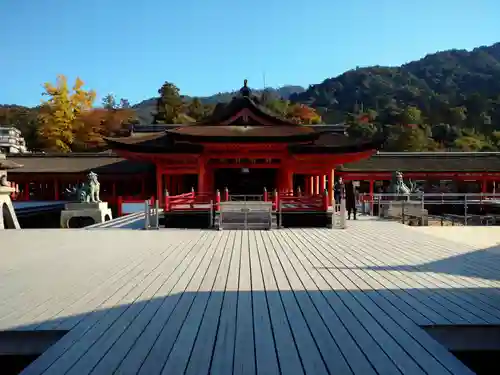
(433, 84)
(145, 108)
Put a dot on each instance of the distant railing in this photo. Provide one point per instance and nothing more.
(446, 208)
(246, 198)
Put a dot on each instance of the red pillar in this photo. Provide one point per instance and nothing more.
(26, 191)
(331, 177)
(180, 185)
(56, 189)
(285, 180)
(484, 186)
(371, 195)
(316, 185)
(210, 180)
(311, 185)
(202, 177)
(289, 180)
(167, 184)
(322, 183)
(159, 185)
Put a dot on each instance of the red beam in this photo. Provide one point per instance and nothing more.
(244, 165)
(258, 154)
(179, 171)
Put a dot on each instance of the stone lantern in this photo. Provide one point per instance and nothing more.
(8, 218)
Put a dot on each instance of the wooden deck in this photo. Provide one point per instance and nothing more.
(302, 301)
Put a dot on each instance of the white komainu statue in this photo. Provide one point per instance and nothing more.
(94, 188)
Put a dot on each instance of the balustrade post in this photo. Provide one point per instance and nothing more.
(342, 213)
(226, 194)
(146, 213)
(157, 214)
(119, 206)
(217, 200)
(265, 194)
(278, 208)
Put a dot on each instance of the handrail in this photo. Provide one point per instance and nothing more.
(191, 199)
(417, 204)
(151, 214)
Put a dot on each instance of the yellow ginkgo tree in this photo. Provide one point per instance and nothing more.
(61, 126)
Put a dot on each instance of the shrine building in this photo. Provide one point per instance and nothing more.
(244, 149)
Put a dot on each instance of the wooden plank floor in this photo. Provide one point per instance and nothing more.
(302, 301)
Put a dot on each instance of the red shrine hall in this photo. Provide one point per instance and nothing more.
(243, 149)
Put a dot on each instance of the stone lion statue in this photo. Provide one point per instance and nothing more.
(399, 187)
(86, 192)
(94, 188)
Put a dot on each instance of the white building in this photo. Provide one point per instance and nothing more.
(11, 140)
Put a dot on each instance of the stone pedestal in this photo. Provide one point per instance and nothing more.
(82, 214)
(410, 209)
(8, 218)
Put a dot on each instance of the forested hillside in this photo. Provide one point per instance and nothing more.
(450, 100)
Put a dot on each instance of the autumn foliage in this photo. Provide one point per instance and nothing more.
(102, 122)
(60, 118)
(303, 114)
(68, 122)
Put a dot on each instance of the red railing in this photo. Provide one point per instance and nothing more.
(192, 201)
(196, 201)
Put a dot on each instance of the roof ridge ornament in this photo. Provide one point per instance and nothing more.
(245, 90)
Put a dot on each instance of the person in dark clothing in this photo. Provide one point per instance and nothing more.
(351, 199)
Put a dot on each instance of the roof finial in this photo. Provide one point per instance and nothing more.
(245, 91)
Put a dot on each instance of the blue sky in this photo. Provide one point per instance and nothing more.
(130, 47)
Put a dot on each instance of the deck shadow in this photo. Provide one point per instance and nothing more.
(288, 331)
(476, 264)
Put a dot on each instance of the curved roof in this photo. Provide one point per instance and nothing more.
(158, 143)
(337, 143)
(427, 162)
(244, 133)
(224, 112)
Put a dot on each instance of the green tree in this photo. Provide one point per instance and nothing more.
(109, 102)
(412, 138)
(458, 116)
(196, 110)
(411, 116)
(169, 105)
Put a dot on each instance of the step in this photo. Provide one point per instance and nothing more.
(238, 220)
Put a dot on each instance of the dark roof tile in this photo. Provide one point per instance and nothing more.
(77, 163)
(428, 162)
